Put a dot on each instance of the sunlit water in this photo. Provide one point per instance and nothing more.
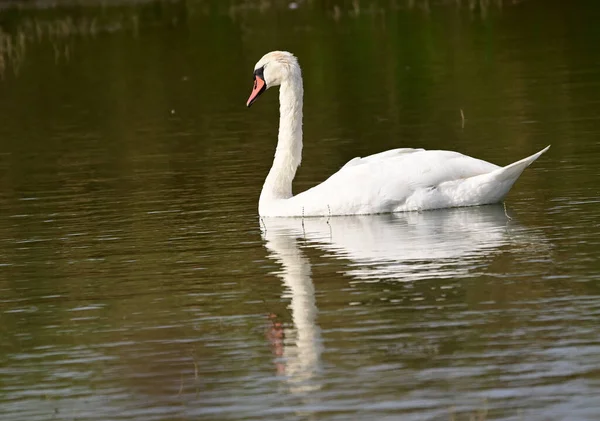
(138, 283)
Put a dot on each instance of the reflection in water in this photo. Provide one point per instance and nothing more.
(302, 344)
(409, 246)
(405, 246)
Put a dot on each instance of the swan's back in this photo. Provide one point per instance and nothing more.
(392, 153)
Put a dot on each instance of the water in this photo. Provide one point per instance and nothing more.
(137, 282)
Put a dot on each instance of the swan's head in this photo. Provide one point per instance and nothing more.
(273, 69)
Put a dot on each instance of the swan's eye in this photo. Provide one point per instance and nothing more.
(260, 72)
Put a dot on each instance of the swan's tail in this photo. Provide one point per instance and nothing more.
(504, 178)
(487, 188)
(514, 170)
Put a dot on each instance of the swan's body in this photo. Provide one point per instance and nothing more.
(393, 181)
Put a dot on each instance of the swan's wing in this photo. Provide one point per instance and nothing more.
(413, 167)
(385, 182)
(393, 153)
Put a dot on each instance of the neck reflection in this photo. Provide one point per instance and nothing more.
(300, 346)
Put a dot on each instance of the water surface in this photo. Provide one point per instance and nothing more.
(137, 282)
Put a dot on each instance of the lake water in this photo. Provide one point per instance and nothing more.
(137, 282)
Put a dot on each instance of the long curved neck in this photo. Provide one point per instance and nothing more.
(288, 155)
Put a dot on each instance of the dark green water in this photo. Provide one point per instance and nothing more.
(136, 282)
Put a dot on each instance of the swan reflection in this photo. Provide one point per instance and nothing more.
(406, 246)
(403, 247)
(409, 246)
(301, 345)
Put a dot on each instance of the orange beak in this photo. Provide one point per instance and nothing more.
(259, 87)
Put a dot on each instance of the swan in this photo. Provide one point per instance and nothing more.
(397, 180)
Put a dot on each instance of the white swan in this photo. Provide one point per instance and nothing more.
(393, 181)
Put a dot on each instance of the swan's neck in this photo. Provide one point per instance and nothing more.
(288, 155)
